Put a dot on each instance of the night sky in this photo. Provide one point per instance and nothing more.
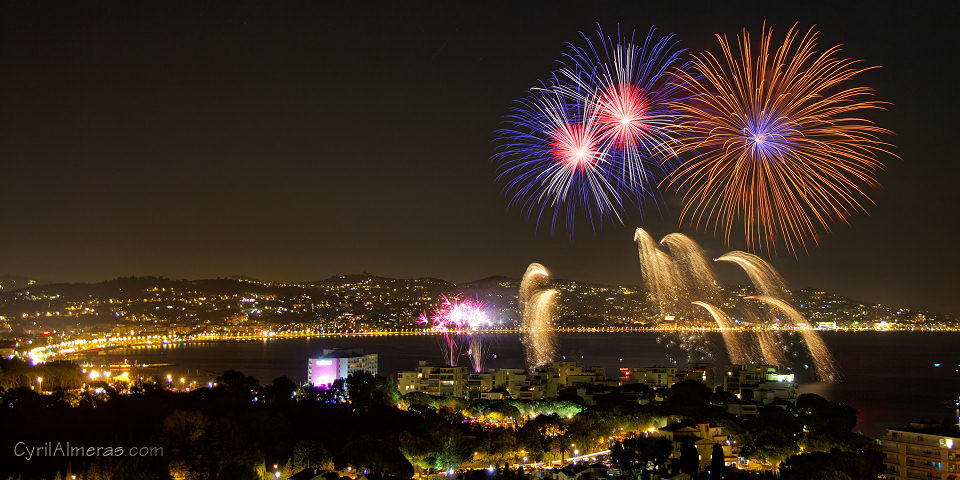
(293, 141)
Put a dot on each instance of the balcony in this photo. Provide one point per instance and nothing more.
(929, 454)
(922, 475)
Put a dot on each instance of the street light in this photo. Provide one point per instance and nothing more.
(40, 381)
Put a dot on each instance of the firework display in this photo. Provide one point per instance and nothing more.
(459, 323)
(774, 141)
(553, 164)
(627, 85)
(537, 302)
(767, 138)
(685, 278)
(592, 139)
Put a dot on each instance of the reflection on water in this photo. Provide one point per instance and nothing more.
(890, 377)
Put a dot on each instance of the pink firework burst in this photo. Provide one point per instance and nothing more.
(453, 320)
(575, 146)
(622, 113)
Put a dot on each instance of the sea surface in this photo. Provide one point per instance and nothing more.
(890, 377)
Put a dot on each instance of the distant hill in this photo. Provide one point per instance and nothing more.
(355, 278)
(9, 282)
(366, 302)
(132, 287)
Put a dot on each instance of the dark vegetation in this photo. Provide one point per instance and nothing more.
(240, 429)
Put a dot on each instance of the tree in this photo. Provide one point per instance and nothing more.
(689, 462)
(819, 466)
(366, 390)
(226, 452)
(641, 452)
(688, 393)
(183, 429)
(502, 411)
(717, 468)
(308, 454)
(237, 385)
(842, 418)
(418, 400)
(834, 465)
(773, 436)
(377, 456)
(435, 449)
(280, 391)
(819, 415)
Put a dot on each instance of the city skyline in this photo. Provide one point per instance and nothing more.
(140, 143)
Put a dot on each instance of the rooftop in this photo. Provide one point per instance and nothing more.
(930, 428)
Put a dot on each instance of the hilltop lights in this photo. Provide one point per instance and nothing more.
(622, 307)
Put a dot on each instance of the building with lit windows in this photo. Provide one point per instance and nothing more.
(433, 380)
(339, 363)
(543, 382)
(921, 451)
(703, 436)
(759, 383)
(653, 377)
(700, 372)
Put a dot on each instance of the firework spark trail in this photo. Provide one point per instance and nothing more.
(478, 352)
(658, 272)
(737, 352)
(451, 348)
(775, 141)
(767, 282)
(628, 86)
(770, 349)
(691, 262)
(822, 358)
(540, 344)
(764, 277)
(535, 278)
(537, 304)
(673, 282)
(686, 272)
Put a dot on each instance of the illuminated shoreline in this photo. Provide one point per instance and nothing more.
(80, 347)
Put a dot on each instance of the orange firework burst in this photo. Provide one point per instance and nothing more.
(773, 141)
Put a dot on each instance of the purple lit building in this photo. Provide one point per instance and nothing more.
(339, 363)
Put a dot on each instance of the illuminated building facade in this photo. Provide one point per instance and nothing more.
(921, 450)
(653, 377)
(665, 377)
(759, 383)
(703, 436)
(699, 372)
(337, 363)
(433, 380)
(544, 382)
